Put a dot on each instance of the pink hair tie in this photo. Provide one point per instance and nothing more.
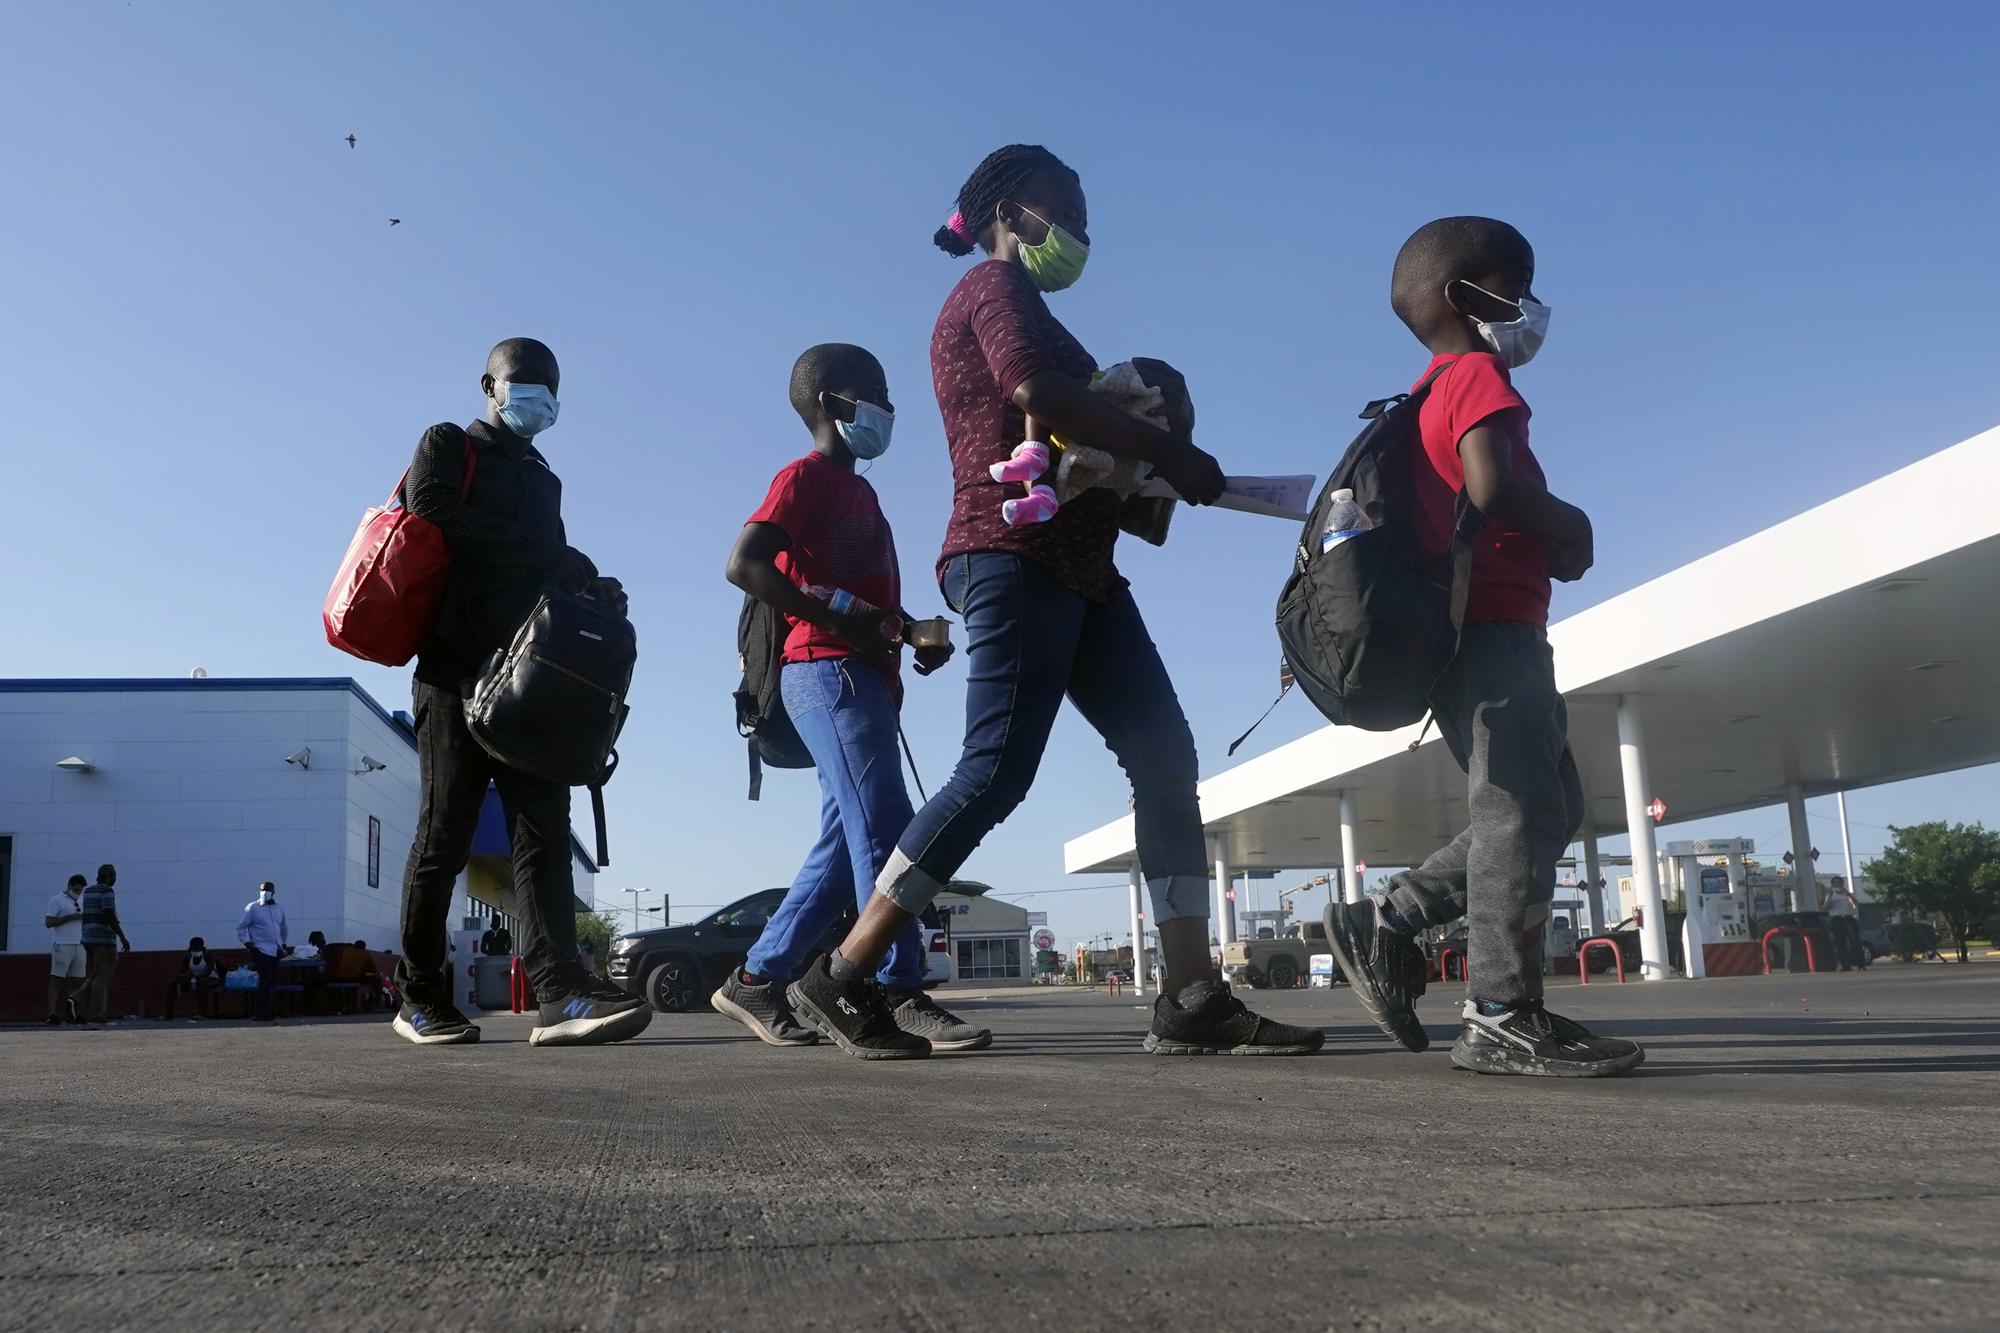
(956, 224)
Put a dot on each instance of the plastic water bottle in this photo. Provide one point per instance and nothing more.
(1344, 520)
(845, 603)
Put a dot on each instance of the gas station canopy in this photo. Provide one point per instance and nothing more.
(1856, 644)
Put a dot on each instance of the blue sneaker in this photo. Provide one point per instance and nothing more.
(434, 1025)
(590, 1018)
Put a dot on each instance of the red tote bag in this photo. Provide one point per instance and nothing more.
(385, 597)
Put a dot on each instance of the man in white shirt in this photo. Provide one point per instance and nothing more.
(64, 918)
(262, 931)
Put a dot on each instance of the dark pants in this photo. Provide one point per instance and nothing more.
(1504, 721)
(1031, 642)
(199, 987)
(1846, 933)
(267, 982)
(455, 774)
(93, 1000)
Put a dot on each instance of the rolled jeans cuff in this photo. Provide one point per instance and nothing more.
(1177, 896)
(906, 884)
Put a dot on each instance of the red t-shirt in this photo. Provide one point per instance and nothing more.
(1510, 570)
(839, 539)
(994, 332)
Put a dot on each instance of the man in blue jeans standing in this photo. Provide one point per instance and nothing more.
(819, 551)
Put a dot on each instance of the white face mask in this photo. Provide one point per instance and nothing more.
(1514, 341)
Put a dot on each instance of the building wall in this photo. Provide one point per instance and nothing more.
(984, 928)
(192, 800)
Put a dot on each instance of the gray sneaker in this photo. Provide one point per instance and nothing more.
(919, 1015)
(763, 1009)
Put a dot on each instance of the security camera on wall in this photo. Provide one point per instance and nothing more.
(303, 757)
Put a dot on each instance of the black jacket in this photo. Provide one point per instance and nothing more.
(505, 537)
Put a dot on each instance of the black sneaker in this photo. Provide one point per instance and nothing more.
(763, 1009)
(1206, 1019)
(593, 1017)
(919, 1015)
(1531, 1040)
(1386, 969)
(853, 1016)
(434, 1025)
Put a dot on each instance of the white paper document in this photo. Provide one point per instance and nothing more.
(1277, 497)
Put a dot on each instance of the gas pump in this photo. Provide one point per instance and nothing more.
(1712, 879)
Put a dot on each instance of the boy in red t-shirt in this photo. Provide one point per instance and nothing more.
(820, 532)
(1464, 286)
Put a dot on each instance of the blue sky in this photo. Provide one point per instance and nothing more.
(1765, 232)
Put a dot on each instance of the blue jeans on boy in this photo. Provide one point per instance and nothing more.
(846, 716)
(1031, 642)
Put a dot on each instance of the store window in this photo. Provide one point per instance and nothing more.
(988, 960)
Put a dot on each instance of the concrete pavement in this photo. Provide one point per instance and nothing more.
(1799, 1150)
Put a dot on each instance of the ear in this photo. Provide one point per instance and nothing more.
(1456, 296)
(836, 409)
(486, 385)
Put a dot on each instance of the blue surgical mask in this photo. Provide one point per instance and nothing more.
(525, 409)
(268, 896)
(867, 436)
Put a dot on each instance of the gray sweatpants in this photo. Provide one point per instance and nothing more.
(1504, 722)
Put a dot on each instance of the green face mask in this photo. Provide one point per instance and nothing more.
(1058, 261)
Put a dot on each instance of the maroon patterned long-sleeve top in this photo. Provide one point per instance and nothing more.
(994, 332)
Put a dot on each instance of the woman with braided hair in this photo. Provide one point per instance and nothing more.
(1046, 615)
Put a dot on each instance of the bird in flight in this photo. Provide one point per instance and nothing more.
(350, 141)
(395, 222)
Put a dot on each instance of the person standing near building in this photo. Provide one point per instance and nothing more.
(103, 940)
(492, 495)
(263, 932)
(64, 918)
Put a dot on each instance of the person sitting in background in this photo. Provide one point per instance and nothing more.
(199, 975)
(351, 967)
(317, 942)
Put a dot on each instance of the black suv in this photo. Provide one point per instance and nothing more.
(677, 968)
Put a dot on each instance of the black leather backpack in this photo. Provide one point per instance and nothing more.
(553, 701)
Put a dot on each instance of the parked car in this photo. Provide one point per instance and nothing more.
(1278, 963)
(1907, 940)
(676, 968)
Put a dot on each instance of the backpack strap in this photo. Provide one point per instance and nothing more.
(756, 772)
(597, 809)
(464, 481)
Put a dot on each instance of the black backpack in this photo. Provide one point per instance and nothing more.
(553, 701)
(1368, 627)
(760, 710)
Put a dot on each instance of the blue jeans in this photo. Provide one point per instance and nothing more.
(1030, 642)
(847, 718)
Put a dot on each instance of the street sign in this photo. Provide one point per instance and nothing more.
(1045, 939)
(1789, 858)
(1658, 809)
(1814, 853)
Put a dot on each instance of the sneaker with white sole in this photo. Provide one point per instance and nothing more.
(590, 1018)
(918, 1014)
(434, 1025)
(1528, 1039)
(763, 1009)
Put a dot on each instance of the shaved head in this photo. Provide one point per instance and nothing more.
(1472, 249)
(523, 361)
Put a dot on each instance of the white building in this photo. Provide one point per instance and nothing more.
(199, 789)
(989, 938)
